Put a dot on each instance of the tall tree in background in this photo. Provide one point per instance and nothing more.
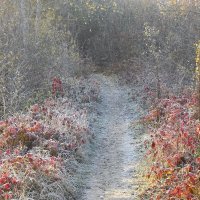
(198, 75)
(37, 19)
(24, 20)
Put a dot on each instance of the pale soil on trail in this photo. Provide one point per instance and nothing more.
(109, 172)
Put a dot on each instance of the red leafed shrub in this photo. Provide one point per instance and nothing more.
(7, 185)
(57, 87)
(38, 148)
(174, 149)
(34, 145)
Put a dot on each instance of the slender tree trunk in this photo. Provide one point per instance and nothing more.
(198, 76)
(37, 20)
(158, 83)
(198, 90)
(24, 21)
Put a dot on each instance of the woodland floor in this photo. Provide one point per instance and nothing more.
(110, 171)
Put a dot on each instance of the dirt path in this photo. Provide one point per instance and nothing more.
(110, 171)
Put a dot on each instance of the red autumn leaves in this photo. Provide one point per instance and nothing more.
(48, 127)
(57, 87)
(8, 184)
(175, 149)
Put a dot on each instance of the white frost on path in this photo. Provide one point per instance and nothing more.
(110, 171)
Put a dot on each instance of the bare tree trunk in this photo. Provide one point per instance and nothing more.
(198, 76)
(198, 92)
(158, 83)
(37, 20)
(24, 21)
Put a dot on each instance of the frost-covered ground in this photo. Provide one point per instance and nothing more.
(110, 170)
(81, 147)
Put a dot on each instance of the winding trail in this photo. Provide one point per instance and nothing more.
(110, 171)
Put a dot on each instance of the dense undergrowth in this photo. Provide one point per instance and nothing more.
(36, 147)
(173, 144)
(173, 149)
